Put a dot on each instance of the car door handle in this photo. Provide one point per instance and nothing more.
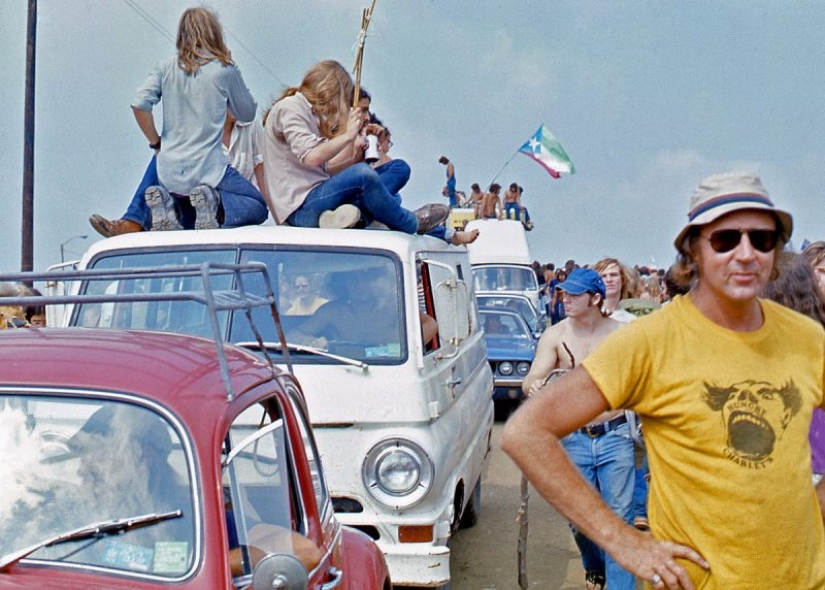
(337, 575)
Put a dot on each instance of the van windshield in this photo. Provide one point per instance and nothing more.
(347, 302)
(504, 278)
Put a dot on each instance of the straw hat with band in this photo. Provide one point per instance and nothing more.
(721, 194)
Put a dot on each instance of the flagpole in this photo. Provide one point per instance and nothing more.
(505, 165)
(366, 16)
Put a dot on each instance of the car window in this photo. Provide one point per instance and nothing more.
(504, 278)
(347, 302)
(183, 317)
(70, 463)
(263, 507)
(504, 324)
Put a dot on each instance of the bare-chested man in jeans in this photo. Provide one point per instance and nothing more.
(603, 450)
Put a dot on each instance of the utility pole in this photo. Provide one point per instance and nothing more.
(27, 245)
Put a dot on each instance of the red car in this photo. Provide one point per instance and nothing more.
(142, 460)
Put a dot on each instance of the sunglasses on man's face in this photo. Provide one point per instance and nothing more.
(725, 240)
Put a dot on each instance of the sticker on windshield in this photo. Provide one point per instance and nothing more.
(126, 556)
(391, 350)
(170, 557)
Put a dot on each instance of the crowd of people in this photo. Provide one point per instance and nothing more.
(486, 205)
(679, 444)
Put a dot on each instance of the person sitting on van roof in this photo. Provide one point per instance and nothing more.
(491, 204)
(314, 160)
(196, 187)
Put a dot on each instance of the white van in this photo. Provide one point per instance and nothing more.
(403, 427)
(501, 260)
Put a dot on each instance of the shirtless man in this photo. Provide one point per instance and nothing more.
(602, 450)
(491, 204)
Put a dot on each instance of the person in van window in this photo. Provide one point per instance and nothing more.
(366, 314)
(307, 300)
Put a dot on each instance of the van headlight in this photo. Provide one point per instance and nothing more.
(398, 473)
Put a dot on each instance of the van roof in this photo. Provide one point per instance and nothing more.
(398, 242)
(499, 241)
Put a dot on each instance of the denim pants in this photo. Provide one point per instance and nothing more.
(608, 463)
(508, 207)
(395, 174)
(241, 202)
(362, 186)
(640, 491)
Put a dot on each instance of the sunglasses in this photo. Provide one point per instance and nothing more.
(725, 240)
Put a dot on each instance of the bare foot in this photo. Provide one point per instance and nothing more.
(462, 238)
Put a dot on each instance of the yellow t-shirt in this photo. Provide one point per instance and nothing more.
(726, 418)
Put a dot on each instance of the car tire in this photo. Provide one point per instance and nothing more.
(469, 517)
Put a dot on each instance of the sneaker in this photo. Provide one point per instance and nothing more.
(342, 217)
(430, 216)
(205, 200)
(163, 209)
(107, 228)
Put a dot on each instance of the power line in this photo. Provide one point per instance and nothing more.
(255, 57)
(159, 28)
(148, 18)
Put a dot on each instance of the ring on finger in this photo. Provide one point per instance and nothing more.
(656, 579)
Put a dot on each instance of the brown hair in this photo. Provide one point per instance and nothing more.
(200, 40)
(685, 271)
(328, 87)
(814, 253)
(627, 279)
(797, 287)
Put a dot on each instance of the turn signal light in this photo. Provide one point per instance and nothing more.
(415, 533)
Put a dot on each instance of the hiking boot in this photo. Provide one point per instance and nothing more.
(160, 204)
(342, 217)
(107, 228)
(431, 216)
(205, 200)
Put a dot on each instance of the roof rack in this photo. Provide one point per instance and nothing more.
(215, 300)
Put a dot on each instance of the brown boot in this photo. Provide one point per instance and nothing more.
(107, 228)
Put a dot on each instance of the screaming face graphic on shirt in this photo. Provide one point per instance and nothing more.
(755, 414)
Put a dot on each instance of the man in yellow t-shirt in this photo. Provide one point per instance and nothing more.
(726, 384)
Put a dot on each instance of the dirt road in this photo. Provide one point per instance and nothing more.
(484, 557)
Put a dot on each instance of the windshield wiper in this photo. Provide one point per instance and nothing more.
(310, 349)
(100, 529)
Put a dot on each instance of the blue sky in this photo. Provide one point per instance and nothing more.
(647, 97)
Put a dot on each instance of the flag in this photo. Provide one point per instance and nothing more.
(546, 150)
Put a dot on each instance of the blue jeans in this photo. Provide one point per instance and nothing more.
(508, 207)
(241, 202)
(395, 174)
(640, 491)
(361, 186)
(608, 463)
(451, 192)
